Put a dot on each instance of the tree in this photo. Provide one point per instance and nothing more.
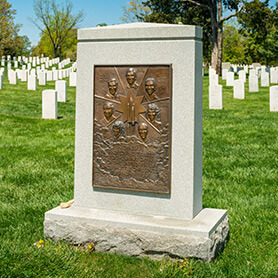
(212, 13)
(259, 25)
(8, 30)
(233, 45)
(135, 11)
(68, 50)
(172, 11)
(56, 22)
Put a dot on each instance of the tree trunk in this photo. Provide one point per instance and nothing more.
(55, 51)
(214, 52)
(220, 44)
(220, 38)
(217, 38)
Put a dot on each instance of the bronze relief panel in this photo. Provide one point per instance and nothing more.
(132, 127)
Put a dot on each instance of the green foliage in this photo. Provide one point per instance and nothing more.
(57, 24)
(68, 50)
(233, 45)
(175, 12)
(135, 11)
(259, 25)
(240, 169)
(10, 42)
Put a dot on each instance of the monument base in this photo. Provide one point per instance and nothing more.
(140, 235)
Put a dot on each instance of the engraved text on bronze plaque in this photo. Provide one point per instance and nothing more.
(132, 131)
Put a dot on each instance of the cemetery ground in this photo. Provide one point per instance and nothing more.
(240, 174)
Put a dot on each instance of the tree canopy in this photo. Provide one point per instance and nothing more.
(206, 13)
(56, 22)
(135, 11)
(259, 27)
(10, 42)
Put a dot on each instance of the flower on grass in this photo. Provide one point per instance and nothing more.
(91, 247)
(38, 244)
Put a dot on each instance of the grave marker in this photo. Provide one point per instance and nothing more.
(49, 104)
(61, 88)
(239, 89)
(273, 98)
(144, 191)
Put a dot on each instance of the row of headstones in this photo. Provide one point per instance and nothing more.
(34, 61)
(216, 90)
(43, 76)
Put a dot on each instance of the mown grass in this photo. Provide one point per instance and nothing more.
(240, 174)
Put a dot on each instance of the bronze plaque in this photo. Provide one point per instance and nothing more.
(132, 130)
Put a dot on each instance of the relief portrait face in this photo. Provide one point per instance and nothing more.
(112, 87)
(108, 111)
(116, 131)
(151, 115)
(150, 87)
(143, 131)
(130, 77)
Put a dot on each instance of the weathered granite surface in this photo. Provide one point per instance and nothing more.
(175, 240)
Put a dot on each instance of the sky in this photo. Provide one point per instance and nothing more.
(96, 12)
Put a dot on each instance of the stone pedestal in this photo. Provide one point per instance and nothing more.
(135, 222)
(140, 235)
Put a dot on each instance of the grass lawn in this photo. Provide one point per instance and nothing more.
(240, 174)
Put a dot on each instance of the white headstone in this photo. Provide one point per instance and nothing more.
(224, 74)
(1, 80)
(215, 96)
(16, 64)
(60, 74)
(24, 75)
(19, 73)
(61, 88)
(242, 75)
(55, 75)
(265, 79)
(253, 83)
(42, 78)
(13, 77)
(33, 72)
(49, 75)
(239, 89)
(49, 104)
(230, 79)
(32, 82)
(273, 75)
(213, 79)
(72, 79)
(273, 98)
